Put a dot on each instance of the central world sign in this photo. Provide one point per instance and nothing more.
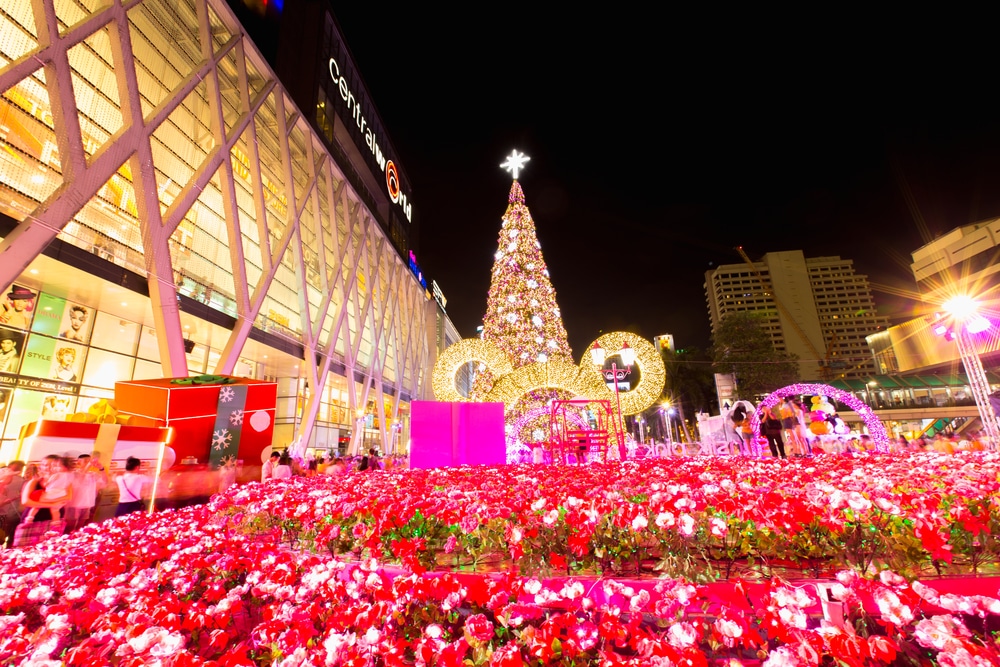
(392, 184)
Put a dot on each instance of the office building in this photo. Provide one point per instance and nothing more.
(170, 208)
(817, 309)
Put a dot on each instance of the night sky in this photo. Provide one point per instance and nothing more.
(659, 143)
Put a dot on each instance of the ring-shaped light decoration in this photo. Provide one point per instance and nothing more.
(457, 355)
(514, 445)
(555, 373)
(652, 373)
(875, 427)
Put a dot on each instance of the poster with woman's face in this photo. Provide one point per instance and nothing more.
(56, 407)
(17, 304)
(66, 362)
(77, 323)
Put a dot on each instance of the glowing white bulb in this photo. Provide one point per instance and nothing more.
(512, 247)
(553, 344)
(530, 266)
(961, 307)
(534, 303)
(512, 299)
(513, 233)
(539, 339)
(545, 272)
(538, 245)
(532, 284)
(555, 311)
(542, 357)
(499, 255)
(536, 320)
(512, 317)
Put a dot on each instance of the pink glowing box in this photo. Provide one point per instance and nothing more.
(454, 434)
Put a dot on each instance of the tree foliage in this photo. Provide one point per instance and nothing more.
(741, 346)
(689, 383)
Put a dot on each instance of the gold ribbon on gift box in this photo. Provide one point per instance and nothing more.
(101, 412)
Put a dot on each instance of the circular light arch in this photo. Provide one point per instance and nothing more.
(875, 427)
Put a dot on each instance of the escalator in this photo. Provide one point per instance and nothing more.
(946, 425)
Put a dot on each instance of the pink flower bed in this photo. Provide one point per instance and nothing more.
(327, 571)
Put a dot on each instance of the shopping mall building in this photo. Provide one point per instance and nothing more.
(169, 207)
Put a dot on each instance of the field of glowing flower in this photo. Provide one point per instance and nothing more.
(624, 563)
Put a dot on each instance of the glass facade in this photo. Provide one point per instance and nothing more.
(153, 136)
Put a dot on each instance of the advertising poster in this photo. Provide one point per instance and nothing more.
(11, 347)
(60, 318)
(48, 314)
(57, 406)
(24, 407)
(56, 364)
(77, 323)
(17, 304)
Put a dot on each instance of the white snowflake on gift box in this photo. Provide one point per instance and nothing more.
(227, 394)
(236, 418)
(227, 461)
(221, 439)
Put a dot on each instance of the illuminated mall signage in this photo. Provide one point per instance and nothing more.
(392, 183)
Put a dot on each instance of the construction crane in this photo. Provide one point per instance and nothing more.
(824, 360)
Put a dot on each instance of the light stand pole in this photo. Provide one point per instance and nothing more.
(670, 424)
(966, 322)
(627, 356)
(980, 385)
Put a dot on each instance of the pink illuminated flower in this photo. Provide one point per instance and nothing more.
(682, 635)
(478, 628)
(940, 632)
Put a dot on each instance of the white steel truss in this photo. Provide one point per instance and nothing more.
(156, 129)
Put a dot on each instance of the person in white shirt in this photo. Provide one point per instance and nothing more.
(88, 479)
(268, 470)
(131, 487)
(284, 468)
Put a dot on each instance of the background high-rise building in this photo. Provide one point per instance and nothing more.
(817, 308)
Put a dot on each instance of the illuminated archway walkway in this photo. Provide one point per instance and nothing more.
(875, 427)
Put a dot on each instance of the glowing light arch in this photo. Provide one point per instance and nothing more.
(875, 427)
(515, 447)
(459, 354)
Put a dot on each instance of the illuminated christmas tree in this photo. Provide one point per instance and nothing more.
(522, 316)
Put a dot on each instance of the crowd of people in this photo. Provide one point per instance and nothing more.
(61, 494)
(282, 465)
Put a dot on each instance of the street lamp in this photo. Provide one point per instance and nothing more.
(627, 356)
(966, 320)
(664, 407)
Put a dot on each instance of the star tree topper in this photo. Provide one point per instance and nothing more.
(515, 163)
